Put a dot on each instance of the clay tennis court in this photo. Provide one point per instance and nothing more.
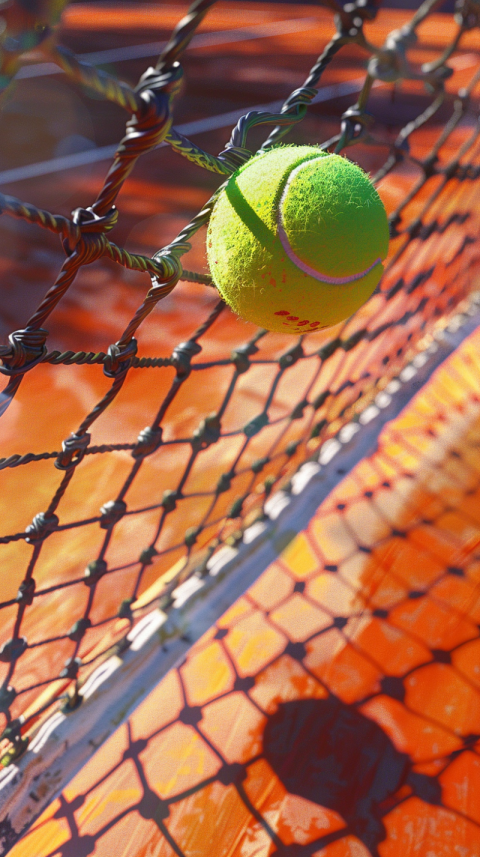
(359, 643)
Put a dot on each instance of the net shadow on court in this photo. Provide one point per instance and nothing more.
(335, 708)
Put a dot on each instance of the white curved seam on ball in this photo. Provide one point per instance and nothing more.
(312, 272)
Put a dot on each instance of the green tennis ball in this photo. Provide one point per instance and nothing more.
(296, 239)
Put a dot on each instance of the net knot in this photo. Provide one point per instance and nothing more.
(111, 513)
(71, 668)
(7, 696)
(79, 629)
(89, 221)
(152, 121)
(74, 448)
(354, 125)
(87, 235)
(169, 500)
(168, 81)
(290, 357)
(26, 592)
(148, 441)
(182, 357)
(42, 526)
(27, 348)
(240, 356)
(11, 651)
(208, 432)
(119, 358)
(94, 571)
(385, 66)
(390, 63)
(168, 275)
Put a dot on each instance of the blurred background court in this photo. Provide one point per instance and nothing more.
(360, 642)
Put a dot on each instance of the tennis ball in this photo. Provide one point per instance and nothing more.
(296, 239)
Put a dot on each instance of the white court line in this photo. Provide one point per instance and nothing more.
(224, 37)
(199, 126)
(150, 49)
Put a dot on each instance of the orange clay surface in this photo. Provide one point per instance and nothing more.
(359, 647)
(336, 705)
(163, 194)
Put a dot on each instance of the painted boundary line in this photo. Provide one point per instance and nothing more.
(198, 126)
(151, 49)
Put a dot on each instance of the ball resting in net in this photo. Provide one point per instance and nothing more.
(296, 239)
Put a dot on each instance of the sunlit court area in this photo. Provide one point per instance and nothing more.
(240, 563)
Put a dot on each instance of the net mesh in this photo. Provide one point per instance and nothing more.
(333, 710)
(191, 481)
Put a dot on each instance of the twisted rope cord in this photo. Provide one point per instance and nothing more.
(104, 84)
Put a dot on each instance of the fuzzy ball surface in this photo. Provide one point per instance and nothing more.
(296, 239)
